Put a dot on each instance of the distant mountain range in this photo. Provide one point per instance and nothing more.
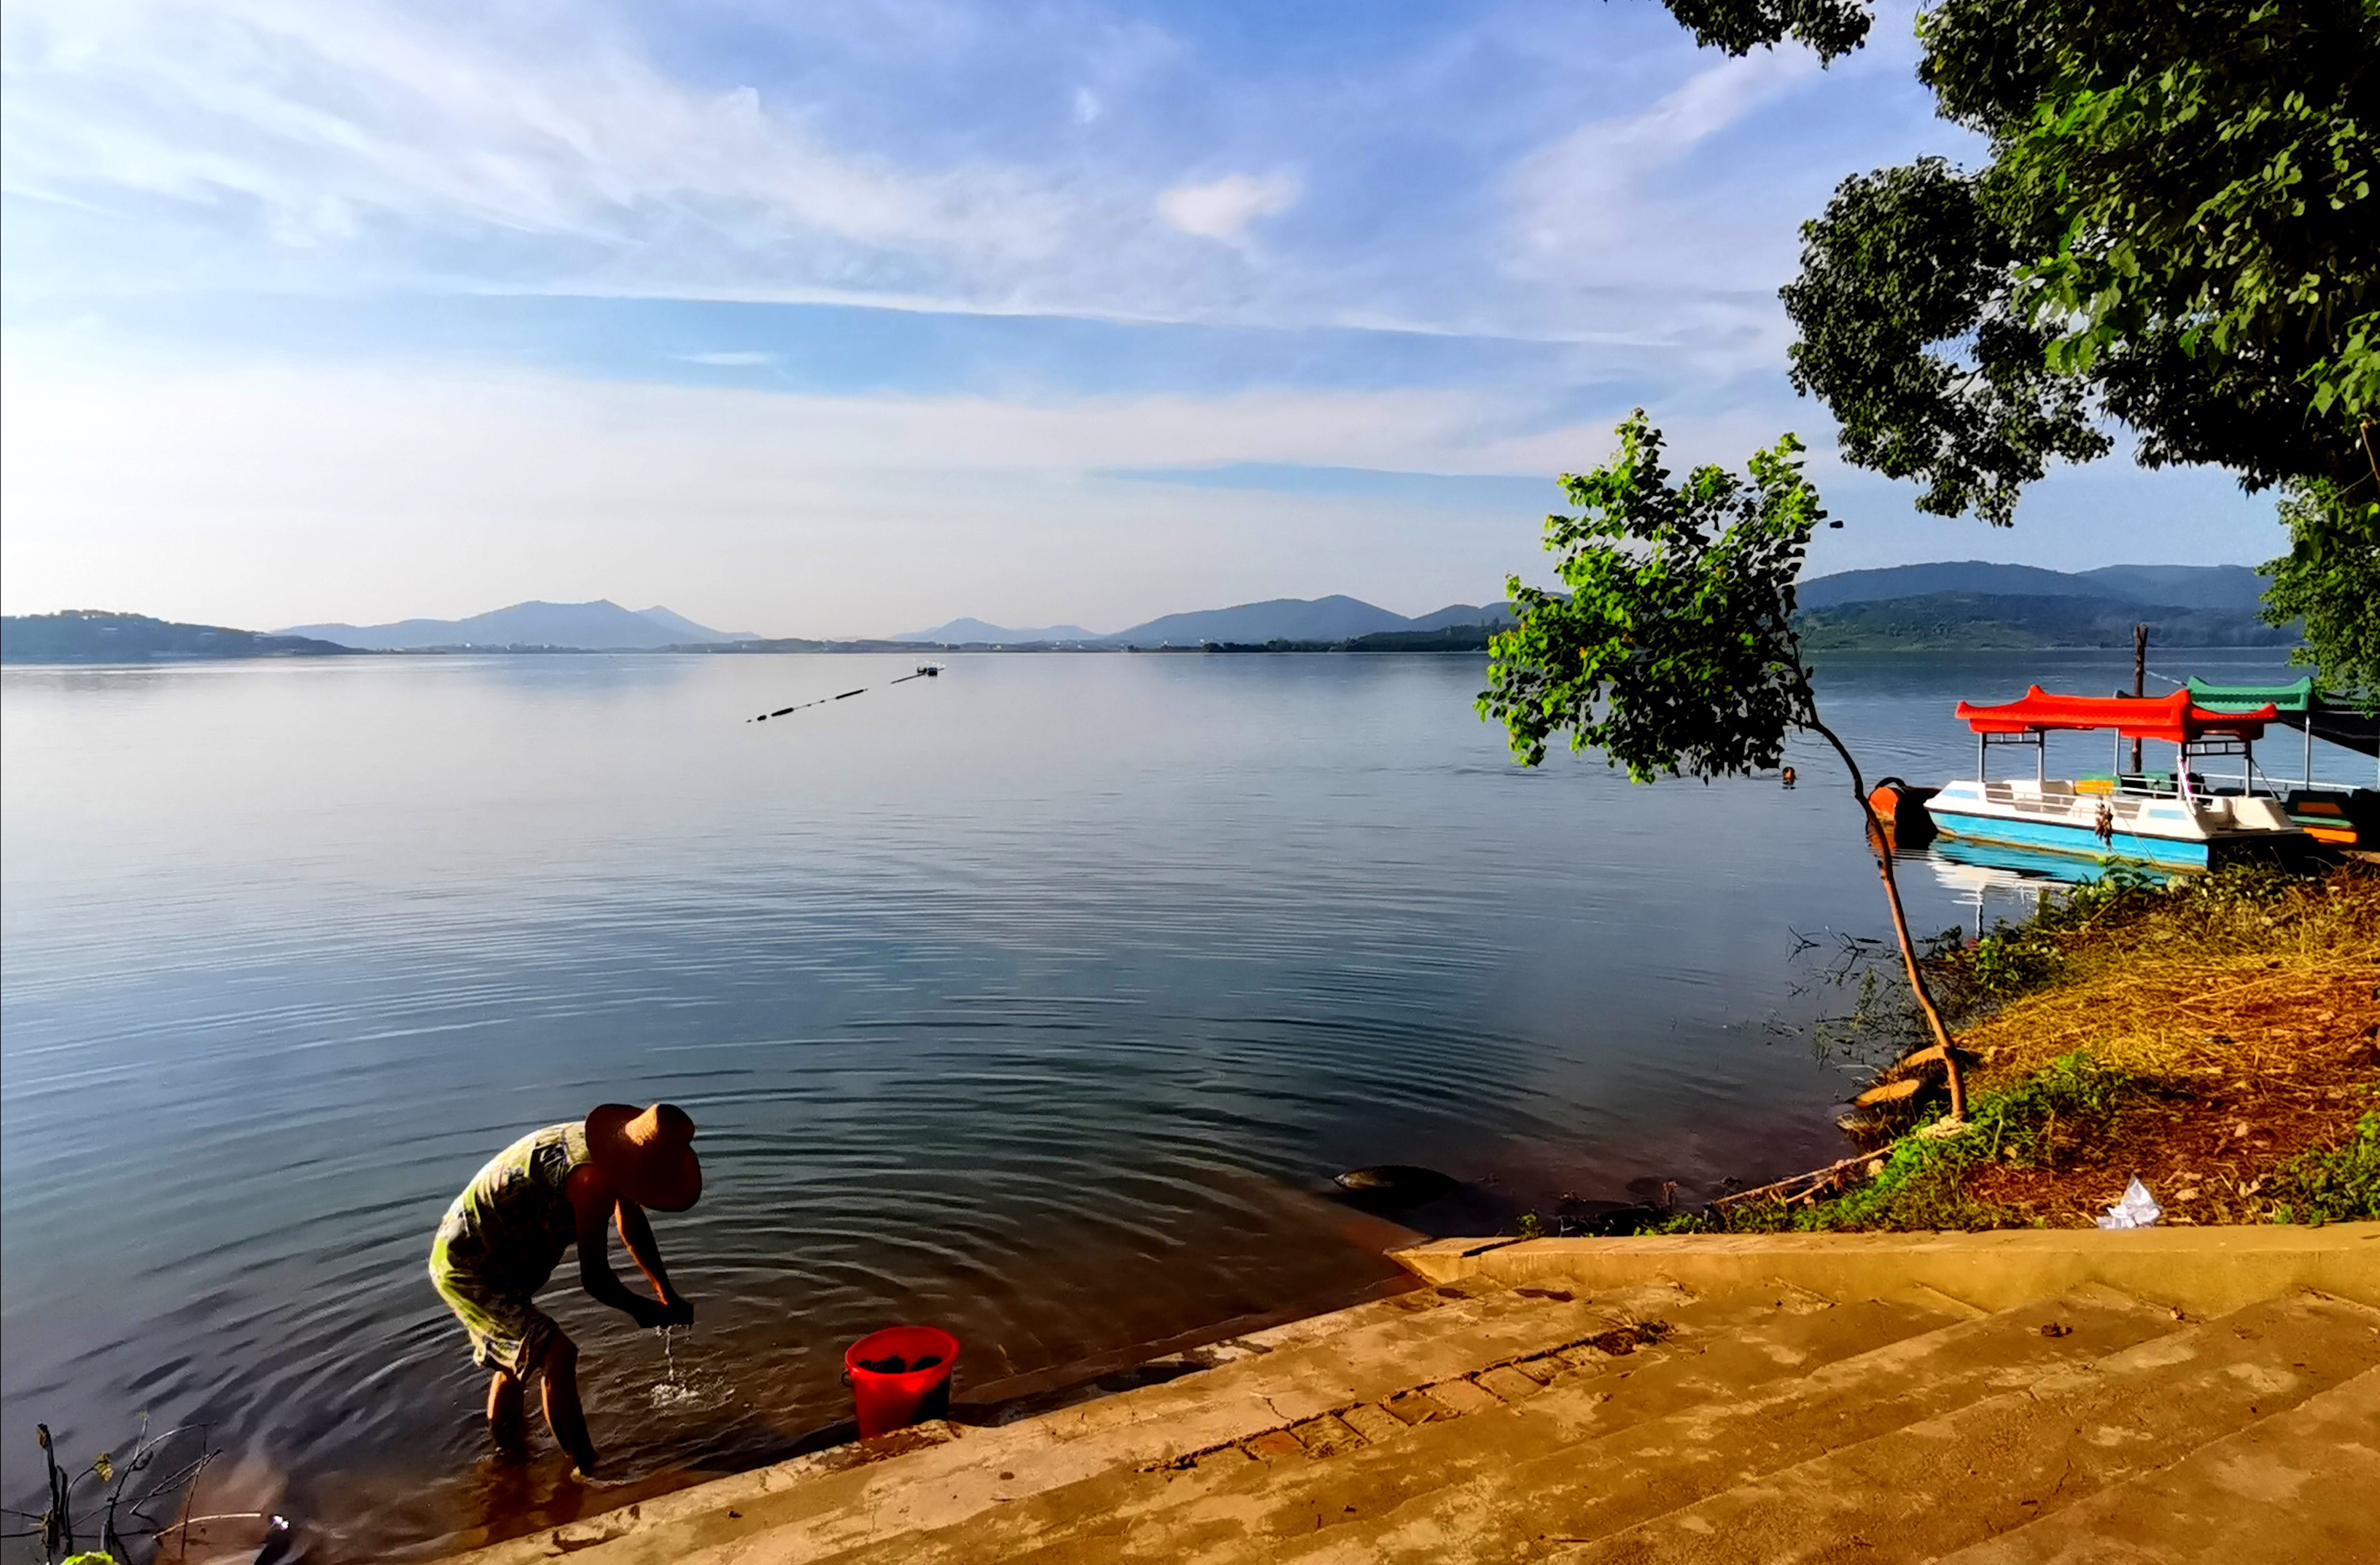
(1974, 605)
(2009, 621)
(93, 636)
(1303, 620)
(975, 633)
(1961, 605)
(1948, 605)
(600, 626)
(2234, 588)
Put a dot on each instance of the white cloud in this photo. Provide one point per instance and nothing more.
(326, 120)
(1222, 209)
(729, 361)
(374, 146)
(1589, 200)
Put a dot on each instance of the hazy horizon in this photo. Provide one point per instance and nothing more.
(1087, 631)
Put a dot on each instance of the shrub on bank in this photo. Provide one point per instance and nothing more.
(2217, 1037)
(1924, 1181)
(2340, 1185)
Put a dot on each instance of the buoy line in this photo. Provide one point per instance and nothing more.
(925, 670)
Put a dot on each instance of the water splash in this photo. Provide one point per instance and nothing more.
(687, 1390)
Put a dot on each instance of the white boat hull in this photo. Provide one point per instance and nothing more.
(2195, 832)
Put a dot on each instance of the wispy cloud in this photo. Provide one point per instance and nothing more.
(318, 125)
(909, 159)
(844, 514)
(265, 497)
(1222, 209)
(1593, 202)
(1261, 253)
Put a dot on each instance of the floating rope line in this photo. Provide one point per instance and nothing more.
(925, 670)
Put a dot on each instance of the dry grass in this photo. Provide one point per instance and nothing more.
(2177, 1017)
(2217, 1039)
(2249, 1012)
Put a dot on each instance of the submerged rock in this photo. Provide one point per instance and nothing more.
(1396, 1184)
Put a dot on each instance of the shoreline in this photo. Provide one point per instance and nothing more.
(2217, 1039)
(798, 646)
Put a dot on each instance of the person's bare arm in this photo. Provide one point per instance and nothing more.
(636, 1238)
(591, 1201)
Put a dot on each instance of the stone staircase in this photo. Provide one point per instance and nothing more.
(1664, 1400)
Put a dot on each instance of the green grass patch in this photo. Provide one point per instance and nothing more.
(1923, 1182)
(2341, 1184)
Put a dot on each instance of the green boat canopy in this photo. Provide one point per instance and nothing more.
(2295, 696)
(2299, 707)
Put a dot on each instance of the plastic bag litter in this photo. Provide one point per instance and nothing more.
(2135, 1208)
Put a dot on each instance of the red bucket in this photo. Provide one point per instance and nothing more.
(894, 1401)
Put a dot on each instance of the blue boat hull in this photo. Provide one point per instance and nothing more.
(2058, 837)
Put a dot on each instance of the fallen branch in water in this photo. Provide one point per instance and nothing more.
(1810, 1184)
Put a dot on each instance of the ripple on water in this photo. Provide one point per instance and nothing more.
(1040, 1007)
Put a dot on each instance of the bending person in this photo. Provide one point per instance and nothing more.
(504, 1234)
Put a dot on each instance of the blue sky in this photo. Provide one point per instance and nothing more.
(847, 317)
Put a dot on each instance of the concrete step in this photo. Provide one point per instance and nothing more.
(1253, 1385)
(1262, 1500)
(2207, 1272)
(1989, 1466)
(1568, 1464)
(2302, 1485)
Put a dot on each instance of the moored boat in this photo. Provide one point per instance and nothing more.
(1899, 809)
(2175, 818)
(2345, 818)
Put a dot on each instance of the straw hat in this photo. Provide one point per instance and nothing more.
(646, 1154)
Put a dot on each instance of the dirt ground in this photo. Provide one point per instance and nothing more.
(2252, 1024)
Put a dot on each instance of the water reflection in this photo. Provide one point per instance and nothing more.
(2006, 882)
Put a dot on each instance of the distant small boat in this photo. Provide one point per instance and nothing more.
(930, 670)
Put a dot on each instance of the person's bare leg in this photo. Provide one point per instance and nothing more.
(559, 1373)
(505, 1408)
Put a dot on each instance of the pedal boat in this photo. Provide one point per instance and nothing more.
(2169, 818)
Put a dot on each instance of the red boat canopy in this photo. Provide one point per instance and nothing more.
(2170, 718)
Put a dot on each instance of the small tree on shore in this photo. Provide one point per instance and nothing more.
(1674, 652)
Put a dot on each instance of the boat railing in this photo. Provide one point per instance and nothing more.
(2155, 785)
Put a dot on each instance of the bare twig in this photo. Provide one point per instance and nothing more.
(1782, 1190)
(1881, 846)
(217, 1516)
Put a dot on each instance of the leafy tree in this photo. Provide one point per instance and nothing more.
(2176, 229)
(1829, 26)
(1674, 652)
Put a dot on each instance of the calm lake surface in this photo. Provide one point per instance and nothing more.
(1038, 1001)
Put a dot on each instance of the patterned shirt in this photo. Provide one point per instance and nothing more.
(512, 1223)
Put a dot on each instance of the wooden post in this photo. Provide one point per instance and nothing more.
(2139, 680)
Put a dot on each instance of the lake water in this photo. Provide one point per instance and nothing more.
(1038, 1001)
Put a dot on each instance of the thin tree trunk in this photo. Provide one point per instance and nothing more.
(1881, 846)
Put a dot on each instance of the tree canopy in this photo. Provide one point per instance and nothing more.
(1674, 652)
(2176, 230)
